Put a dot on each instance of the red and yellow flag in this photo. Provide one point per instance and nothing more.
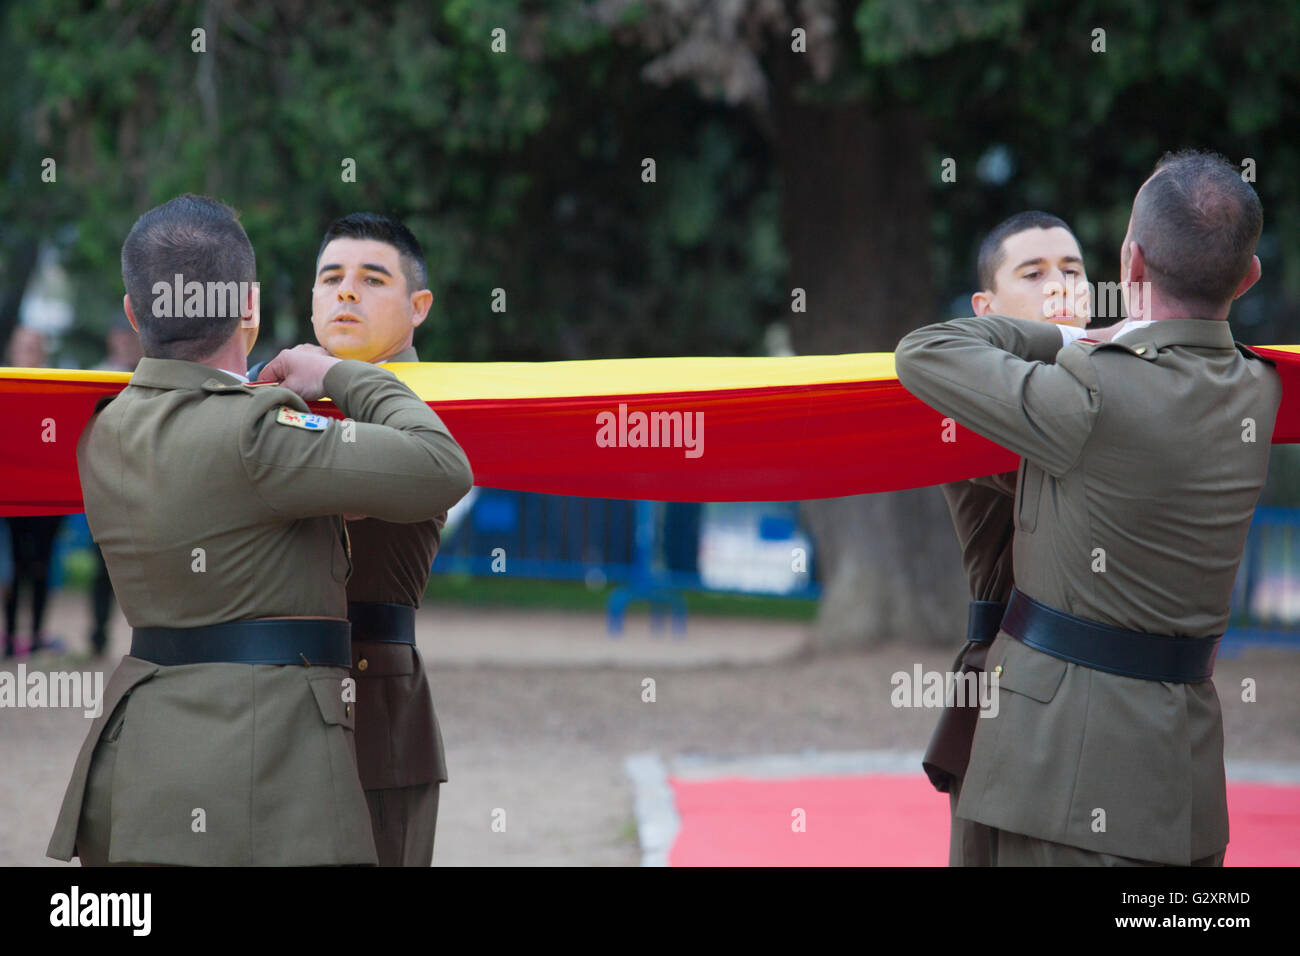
(668, 429)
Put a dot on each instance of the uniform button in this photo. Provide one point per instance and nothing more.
(1141, 350)
(362, 664)
(347, 710)
(998, 670)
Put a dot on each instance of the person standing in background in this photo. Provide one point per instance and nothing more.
(32, 536)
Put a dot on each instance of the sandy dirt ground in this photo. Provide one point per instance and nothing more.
(540, 709)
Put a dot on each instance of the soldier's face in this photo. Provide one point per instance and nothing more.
(361, 306)
(1041, 278)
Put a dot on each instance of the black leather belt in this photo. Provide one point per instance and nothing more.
(984, 620)
(387, 623)
(1111, 649)
(313, 641)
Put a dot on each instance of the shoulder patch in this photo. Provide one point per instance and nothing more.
(1137, 347)
(289, 416)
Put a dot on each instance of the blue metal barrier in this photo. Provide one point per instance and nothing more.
(552, 537)
(1266, 596)
(648, 549)
(645, 584)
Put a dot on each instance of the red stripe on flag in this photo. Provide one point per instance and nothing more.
(779, 443)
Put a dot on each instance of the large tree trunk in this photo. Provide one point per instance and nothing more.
(856, 224)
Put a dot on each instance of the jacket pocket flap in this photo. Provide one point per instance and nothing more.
(336, 699)
(130, 674)
(379, 659)
(1030, 672)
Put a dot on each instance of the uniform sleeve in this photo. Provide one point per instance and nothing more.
(395, 461)
(982, 517)
(1004, 484)
(991, 375)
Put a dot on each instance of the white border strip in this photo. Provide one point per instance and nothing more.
(1262, 771)
(808, 764)
(657, 822)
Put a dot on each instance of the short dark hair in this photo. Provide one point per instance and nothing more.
(200, 239)
(991, 252)
(1197, 222)
(369, 225)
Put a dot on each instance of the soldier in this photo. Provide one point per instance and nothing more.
(1143, 458)
(226, 736)
(370, 295)
(1029, 267)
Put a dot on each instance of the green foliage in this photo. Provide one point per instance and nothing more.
(1085, 127)
(521, 170)
(893, 32)
(518, 170)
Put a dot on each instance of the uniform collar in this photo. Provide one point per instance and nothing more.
(1196, 333)
(406, 355)
(177, 373)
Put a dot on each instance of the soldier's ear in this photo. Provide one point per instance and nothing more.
(1252, 276)
(251, 321)
(421, 302)
(981, 303)
(252, 314)
(130, 313)
(1137, 263)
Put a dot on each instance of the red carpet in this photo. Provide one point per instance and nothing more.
(899, 820)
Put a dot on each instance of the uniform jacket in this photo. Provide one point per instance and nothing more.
(399, 742)
(1142, 461)
(981, 510)
(210, 508)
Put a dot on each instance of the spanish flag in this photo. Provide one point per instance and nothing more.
(665, 429)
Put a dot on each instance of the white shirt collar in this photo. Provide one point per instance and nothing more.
(242, 378)
(1131, 325)
(1069, 332)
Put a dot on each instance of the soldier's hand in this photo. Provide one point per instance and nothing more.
(300, 369)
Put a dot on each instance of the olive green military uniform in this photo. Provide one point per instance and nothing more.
(1142, 461)
(981, 510)
(211, 507)
(399, 745)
